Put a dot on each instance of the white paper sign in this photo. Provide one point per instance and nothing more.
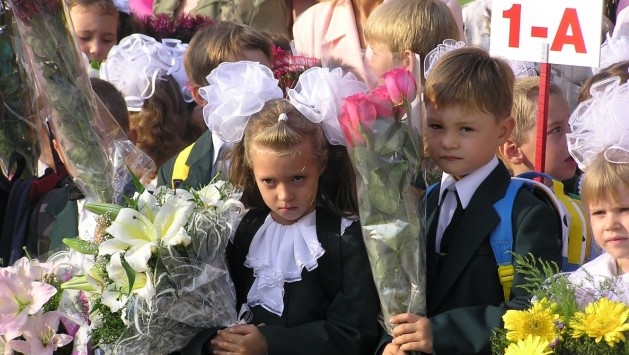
(553, 31)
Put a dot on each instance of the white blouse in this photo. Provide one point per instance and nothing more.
(592, 278)
(278, 254)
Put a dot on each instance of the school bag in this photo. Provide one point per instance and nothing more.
(575, 244)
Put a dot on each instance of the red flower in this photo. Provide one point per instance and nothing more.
(360, 109)
(352, 134)
(400, 84)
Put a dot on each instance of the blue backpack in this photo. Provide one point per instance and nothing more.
(575, 243)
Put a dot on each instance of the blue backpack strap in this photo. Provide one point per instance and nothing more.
(501, 238)
(430, 189)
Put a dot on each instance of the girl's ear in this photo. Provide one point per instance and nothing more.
(194, 91)
(408, 60)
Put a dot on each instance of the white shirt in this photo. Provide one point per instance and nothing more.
(592, 275)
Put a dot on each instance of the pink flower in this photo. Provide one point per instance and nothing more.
(382, 102)
(360, 110)
(351, 132)
(20, 296)
(400, 85)
(40, 335)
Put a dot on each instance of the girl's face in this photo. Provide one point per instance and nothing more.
(610, 225)
(288, 183)
(96, 31)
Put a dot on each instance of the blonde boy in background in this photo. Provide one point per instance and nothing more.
(398, 29)
(518, 153)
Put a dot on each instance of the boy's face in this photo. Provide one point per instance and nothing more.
(610, 224)
(559, 163)
(380, 59)
(96, 31)
(461, 142)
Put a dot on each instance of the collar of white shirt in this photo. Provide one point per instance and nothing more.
(469, 183)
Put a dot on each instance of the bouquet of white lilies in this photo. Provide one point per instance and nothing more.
(156, 271)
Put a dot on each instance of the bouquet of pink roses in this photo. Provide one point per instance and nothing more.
(383, 140)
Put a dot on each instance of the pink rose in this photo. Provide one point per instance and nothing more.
(382, 102)
(401, 85)
(360, 110)
(351, 132)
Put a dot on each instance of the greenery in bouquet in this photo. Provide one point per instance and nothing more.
(59, 77)
(17, 124)
(384, 146)
(158, 271)
(35, 316)
(563, 317)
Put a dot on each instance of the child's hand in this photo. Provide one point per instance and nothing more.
(392, 349)
(244, 339)
(413, 333)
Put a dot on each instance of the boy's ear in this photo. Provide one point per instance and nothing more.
(511, 153)
(194, 91)
(408, 60)
(507, 126)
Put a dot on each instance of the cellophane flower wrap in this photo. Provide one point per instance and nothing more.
(383, 141)
(587, 314)
(158, 272)
(95, 150)
(36, 317)
(17, 123)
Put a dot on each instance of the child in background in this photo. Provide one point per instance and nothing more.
(598, 142)
(468, 97)
(295, 222)
(620, 70)
(518, 153)
(96, 25)
(398, 29)
(144, 70)
(210, 46)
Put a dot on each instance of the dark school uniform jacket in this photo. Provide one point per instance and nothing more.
(313, 322)
(465, 299)
(200, 163)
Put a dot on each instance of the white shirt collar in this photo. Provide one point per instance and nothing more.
(278, 254)
(466, 187)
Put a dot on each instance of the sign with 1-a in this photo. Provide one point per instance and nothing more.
(553, 31)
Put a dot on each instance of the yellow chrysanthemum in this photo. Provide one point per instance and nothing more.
(602, 319)
(531, 345)
(539, 320)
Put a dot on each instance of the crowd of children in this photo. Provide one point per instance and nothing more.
(297, 260)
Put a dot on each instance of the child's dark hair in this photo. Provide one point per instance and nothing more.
(470, 78)
(113, 99)
(214, 44)
(620, 69)
(163, 124)
(337, 183)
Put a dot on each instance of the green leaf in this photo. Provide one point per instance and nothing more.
(78, 283)
(136, 182)
(81, 246)
(130, 272)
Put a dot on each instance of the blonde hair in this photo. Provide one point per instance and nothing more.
(336, 185)
(416, 25)
(214, 44)
(602, 180)
(524, 111)
(470, 78)
(106, 6)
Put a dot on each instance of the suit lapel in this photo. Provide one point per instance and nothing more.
(475, 226)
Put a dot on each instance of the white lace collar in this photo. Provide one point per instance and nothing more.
(277, 254)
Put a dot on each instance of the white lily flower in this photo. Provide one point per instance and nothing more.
(116, 295)
(211, 194)
(136, 234)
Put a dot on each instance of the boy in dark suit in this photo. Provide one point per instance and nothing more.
(468, 97)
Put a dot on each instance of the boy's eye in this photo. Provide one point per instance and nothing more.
(299, 178)
(555, 130)
(434, 126)
(467, 129)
